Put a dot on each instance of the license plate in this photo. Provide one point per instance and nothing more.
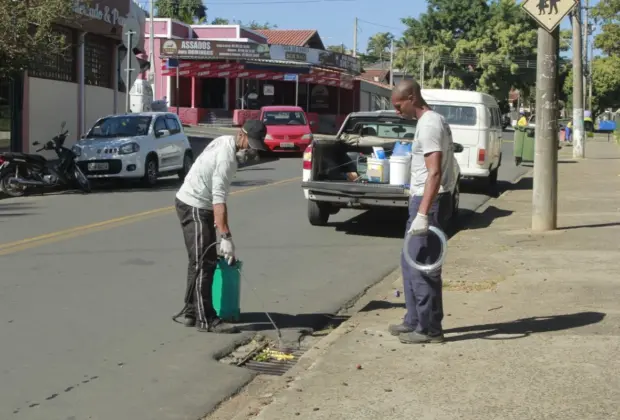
(287, 145)
(98, 166)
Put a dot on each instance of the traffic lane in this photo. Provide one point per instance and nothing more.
(26, 217)
(87, 331)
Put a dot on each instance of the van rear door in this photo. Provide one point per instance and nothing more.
(464, 120)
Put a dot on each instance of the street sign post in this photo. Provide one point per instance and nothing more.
(290, 77)
(548, 13)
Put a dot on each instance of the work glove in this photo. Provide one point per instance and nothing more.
(419, 226)
(227, 250)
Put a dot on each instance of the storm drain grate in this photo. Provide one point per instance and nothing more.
(275, 367)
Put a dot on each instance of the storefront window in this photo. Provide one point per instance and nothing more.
(61, 66)
(5, 116)
(97, 61)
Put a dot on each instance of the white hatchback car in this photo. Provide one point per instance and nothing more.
(144, 146)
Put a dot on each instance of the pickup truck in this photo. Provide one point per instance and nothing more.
(333, 168)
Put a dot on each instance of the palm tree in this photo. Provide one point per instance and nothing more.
(378, 44)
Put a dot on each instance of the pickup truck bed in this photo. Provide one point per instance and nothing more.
(357, 195)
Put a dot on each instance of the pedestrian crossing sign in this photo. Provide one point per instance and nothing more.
(549, 13)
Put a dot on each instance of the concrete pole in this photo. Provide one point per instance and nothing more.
(544, 197)
(392, 63)
(584, 47)
(579, 147)
(152, 48)
(355, 38)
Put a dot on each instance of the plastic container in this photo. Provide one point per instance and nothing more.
(378, 170)
(402, 148)
(400, 170)
(227, 290)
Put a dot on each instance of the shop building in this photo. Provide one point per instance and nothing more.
(227, 72)
(78, 86)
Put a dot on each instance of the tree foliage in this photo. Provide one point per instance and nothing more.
(488, 46)
(378, 47)
(607, 14)
(187, 11)
(26, 34)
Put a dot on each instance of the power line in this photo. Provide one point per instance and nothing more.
(146, 3)
(380, 25)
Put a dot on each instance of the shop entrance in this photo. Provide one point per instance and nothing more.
(213, 94)
(11, 93)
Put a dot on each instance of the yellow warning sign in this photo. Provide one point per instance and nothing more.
(548, 13)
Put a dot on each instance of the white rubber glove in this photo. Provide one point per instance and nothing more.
(227, 249)
(419, 226)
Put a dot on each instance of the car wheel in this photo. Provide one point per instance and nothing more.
(150, 172)
(318, 213)
(187, 165)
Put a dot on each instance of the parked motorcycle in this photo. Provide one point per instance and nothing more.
(21, 171)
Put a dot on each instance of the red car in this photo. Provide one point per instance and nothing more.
(288, 129)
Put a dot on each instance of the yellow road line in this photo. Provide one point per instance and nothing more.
(28, 243)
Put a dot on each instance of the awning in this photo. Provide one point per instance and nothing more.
(220, 69)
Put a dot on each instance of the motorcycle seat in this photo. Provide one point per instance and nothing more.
(25, 156)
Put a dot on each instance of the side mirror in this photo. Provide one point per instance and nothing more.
(312, 122)
(457, 147)
(163, 133)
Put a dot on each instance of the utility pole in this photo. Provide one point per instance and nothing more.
(584, 46)
(443, 78)
(392, 62)
(591, 74)
(545, 192)
(355, 38)
(579, 147)
(152, 47)
(422, 70)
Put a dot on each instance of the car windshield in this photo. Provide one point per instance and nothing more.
(389, 128)
(284, 118)
(121, 126)
(456, 114)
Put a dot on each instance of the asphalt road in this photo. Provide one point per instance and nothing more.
(89, 282)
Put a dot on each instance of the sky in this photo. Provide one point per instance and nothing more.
(334, 19)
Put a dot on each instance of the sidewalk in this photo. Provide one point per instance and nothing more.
(532, 322)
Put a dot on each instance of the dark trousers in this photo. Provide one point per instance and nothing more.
(423, 294)
(199, 233)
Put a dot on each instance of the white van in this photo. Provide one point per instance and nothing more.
(476, 123)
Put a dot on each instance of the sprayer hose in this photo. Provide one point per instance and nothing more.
(443, 239)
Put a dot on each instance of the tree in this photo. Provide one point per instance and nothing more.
(27, 37)
(607, 13)
(187, 11)
(378, 45)
(255, 25)
(484, 45)
(220, 21)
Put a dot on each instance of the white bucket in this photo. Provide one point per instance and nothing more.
(378, 170)
(400, 170)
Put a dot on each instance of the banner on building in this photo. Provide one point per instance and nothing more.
(196, 49)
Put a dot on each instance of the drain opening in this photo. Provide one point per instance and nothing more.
(266, 362)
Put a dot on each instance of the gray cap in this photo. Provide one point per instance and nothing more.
(256, 132)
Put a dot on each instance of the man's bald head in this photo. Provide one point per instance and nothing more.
(406, 89)
(407, 98)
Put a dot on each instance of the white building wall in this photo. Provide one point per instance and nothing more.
(51, 102)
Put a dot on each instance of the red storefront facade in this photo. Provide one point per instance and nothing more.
(219, 66)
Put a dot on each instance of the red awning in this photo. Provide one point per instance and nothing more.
(237, 71)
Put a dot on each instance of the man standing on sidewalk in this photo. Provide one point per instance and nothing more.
(201, 207)
(432, 181)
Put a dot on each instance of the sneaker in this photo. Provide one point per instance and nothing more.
(218, 326)
(398, 329)
(418, 338)
(189, 322)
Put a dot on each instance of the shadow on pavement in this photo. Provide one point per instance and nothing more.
(125, 186)
(525, 327)
(598, 225)
(376, 305)
(252, 183)
(258, 321)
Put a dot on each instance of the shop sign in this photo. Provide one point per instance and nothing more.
(315, 57)
(101, 11)
(196, 49)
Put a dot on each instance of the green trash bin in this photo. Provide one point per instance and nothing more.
(227, 290)
(524, 145)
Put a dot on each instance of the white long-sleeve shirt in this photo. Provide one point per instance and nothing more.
(208, 181)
